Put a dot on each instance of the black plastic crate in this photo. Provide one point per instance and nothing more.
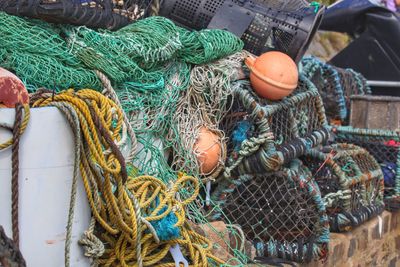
(286, 26)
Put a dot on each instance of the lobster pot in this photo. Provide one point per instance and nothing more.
(107, 14)
(264, 135)
(286, 26)
(282, 213)
(46, 164)
(384, 146)
(351, 184)
(336, 86)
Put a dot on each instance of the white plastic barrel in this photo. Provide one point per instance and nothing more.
(46, 169)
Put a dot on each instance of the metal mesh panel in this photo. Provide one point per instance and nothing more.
(350, 181)
(278, 211)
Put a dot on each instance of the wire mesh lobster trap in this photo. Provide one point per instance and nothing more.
(282, 213)
(351, 184)
(108, 14)
(335, 85)
(384, 146)
(286, 26)
(264, 135)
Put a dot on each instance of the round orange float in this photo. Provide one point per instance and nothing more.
(12, 90)
(208, 150)
(273, 75)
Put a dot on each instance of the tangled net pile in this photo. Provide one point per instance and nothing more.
(148, 69)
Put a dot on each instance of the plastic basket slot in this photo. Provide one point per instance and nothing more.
(185, 9)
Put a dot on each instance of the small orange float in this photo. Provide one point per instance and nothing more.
(274, 75)
(208, 150)
(12, 90)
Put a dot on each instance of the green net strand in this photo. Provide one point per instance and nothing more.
(132, 58)
(34, 37)
(207, 45)
(44, 69)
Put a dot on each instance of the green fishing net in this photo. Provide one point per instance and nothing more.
(170, 82)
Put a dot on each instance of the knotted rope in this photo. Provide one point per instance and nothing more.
(20, 124)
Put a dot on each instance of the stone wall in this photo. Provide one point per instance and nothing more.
(366, 246)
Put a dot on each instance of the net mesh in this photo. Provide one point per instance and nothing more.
(165, 77)
(335, 85)
(281, 213)
(350, 181)
(276, 132)
(384, 146)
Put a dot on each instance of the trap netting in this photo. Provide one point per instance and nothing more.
(335, 85)
(281, 213)
(351, 184)
(108, 14)
(384, 146)
(264, 135)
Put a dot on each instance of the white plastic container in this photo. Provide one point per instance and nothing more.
(45, 179)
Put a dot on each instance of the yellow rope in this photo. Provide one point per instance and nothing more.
(125, 207)
(24, 124)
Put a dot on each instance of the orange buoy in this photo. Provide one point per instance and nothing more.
(208, 150)
(274, 75)
(12, 90)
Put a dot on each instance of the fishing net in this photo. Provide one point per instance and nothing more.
(264, 135)
(384, 146)
(108, 14)
(351, 184)
(133, 58)
(335, 85)
(282, 213)
(204, 104)
(148, 67)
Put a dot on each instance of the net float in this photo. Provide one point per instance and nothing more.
(12, 90)
(208, 150)
(273, 75)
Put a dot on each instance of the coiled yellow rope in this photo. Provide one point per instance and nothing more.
(124, 207)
